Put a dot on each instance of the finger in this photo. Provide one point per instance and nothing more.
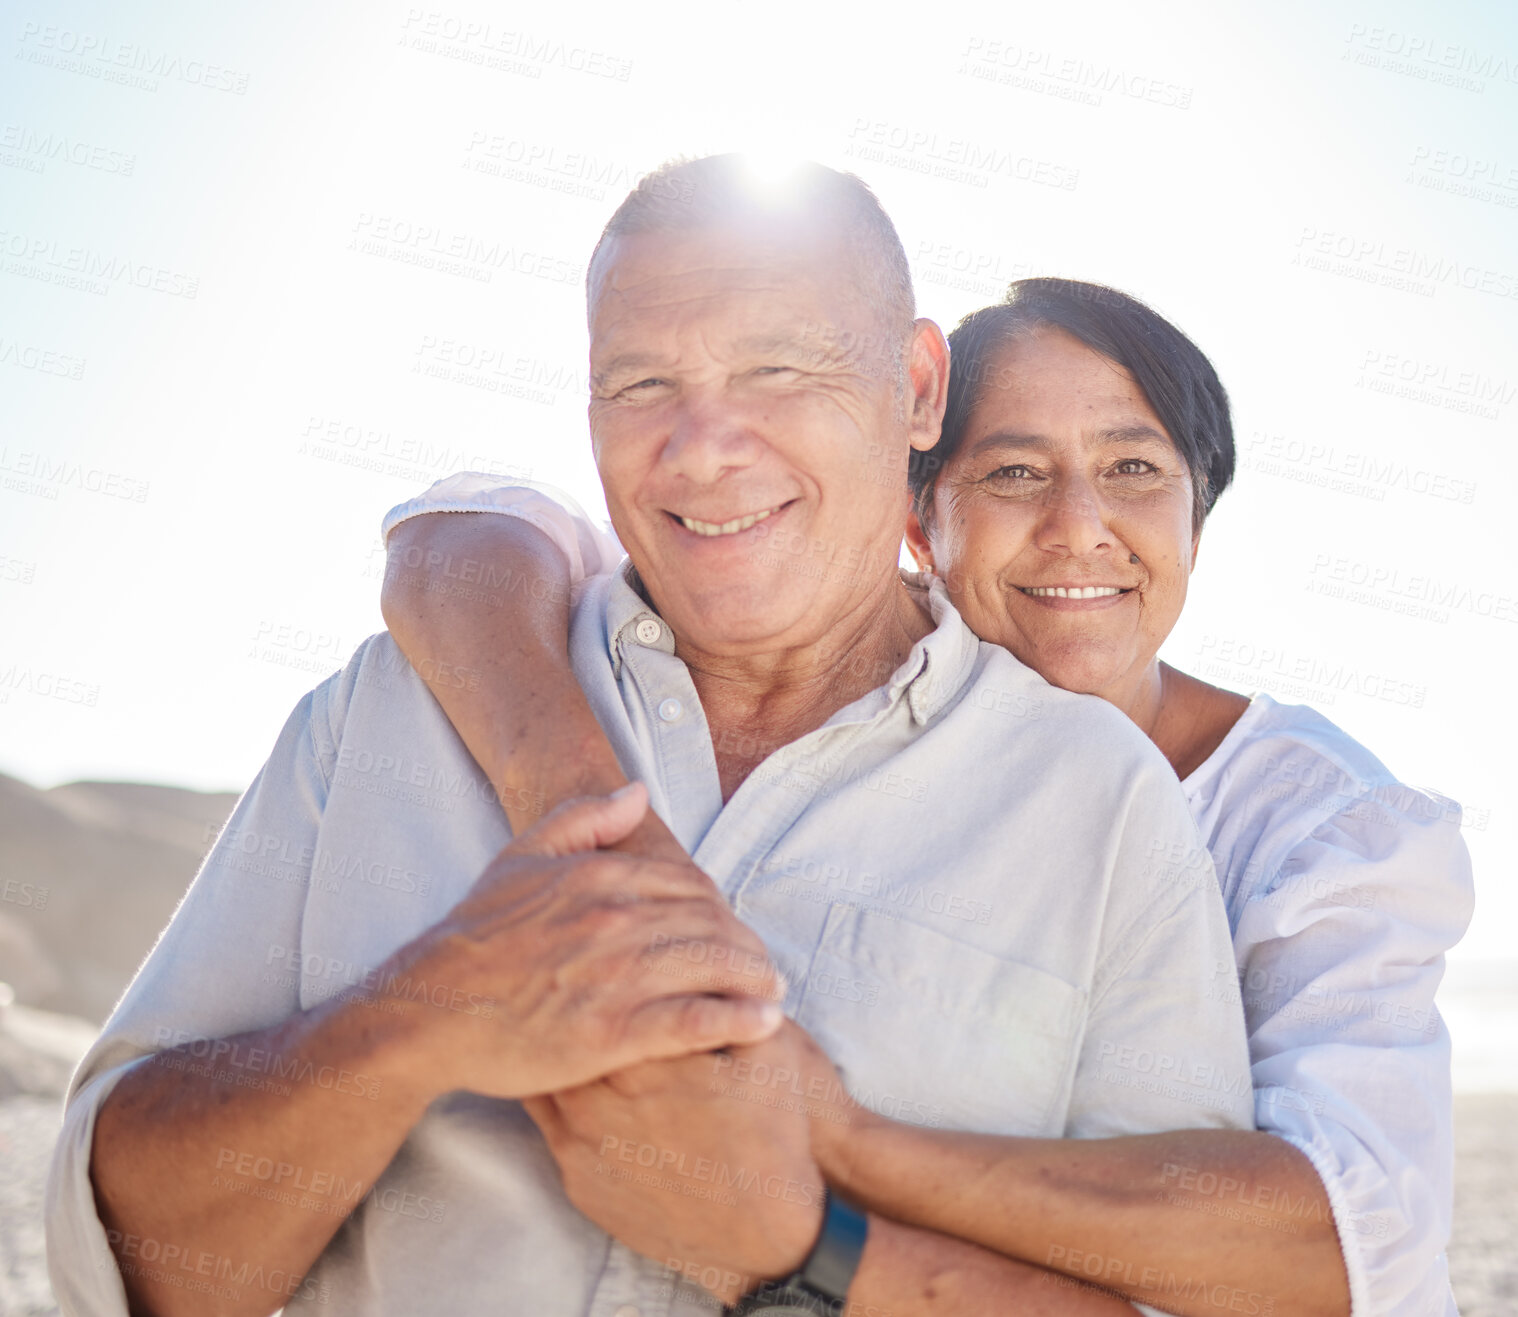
(714, 963)
(637, 875)
(585, 824)
(579, 1117)
(652, 838)
(587, 878)
(792, 1032)
(649, 1078)
(546, 1116)
(680, 1026)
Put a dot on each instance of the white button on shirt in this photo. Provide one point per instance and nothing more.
(1012, 950)
(670, 709)
(648, 631)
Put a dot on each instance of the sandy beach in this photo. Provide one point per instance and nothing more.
(1483, 1252)
(38, 1051)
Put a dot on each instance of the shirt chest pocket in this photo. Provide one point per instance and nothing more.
(934, 1031)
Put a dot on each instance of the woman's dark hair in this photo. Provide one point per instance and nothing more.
(1179, 382)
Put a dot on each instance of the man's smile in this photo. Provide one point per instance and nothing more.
(731, 526)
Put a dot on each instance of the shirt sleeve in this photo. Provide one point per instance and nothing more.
(1164, 1046)
(215, 971)
(590, 551)
(1339, 953)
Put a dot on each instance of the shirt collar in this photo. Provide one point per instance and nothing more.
(933, 672)
(630, 618)
(942, 661)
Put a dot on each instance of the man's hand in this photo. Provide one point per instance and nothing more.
(682, 1164)
(837, 1120)
(566, 962)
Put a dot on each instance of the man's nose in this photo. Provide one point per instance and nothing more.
(1074, 520)
(708, 438)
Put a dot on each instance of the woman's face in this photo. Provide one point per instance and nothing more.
(1062, 527)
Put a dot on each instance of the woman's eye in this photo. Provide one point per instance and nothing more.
(771, 370)
(1015, 472)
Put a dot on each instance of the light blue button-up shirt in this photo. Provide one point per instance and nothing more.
(982, 891)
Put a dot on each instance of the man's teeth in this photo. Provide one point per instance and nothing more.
(1074, 592)
(726, 527)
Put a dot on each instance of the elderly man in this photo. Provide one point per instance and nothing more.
(379, 1064)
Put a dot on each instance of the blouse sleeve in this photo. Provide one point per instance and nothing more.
(589, 550)
(1339, 952)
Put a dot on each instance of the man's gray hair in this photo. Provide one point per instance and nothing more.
(685, 194)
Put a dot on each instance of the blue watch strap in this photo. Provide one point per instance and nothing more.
(830, 1267)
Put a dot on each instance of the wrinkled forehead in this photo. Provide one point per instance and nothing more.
(730, 277)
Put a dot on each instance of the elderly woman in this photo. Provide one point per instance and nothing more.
(1085, 442)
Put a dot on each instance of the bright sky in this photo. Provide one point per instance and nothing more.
(260, 350)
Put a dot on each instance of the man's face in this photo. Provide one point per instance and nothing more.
(750, 427)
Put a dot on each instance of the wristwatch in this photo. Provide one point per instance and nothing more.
(821, 1286)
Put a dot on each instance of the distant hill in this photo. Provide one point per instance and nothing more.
(89, 875)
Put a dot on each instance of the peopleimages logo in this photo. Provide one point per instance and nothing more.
(125, 62)
(957, 159)
(1307, 676)
(1028, 68)
(39, 148)
(1428, 57)
(1372, 260)
(87, 270)
(505, 49)
(246, 1066)
(44, 361)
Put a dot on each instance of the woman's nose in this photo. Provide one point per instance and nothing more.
(1074, 521)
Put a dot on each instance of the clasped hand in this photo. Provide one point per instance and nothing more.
(688, 1165)
(638, 1023)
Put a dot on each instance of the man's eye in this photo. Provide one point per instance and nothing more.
(1014, 472)
(1135, 466)
(771, 370)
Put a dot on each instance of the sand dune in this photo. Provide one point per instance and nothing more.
(89, 875)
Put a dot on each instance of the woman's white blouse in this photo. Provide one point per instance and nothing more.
(589, 552)
(1344, 888)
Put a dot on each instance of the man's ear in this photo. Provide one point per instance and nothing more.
(917, 542)
(928, 379)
